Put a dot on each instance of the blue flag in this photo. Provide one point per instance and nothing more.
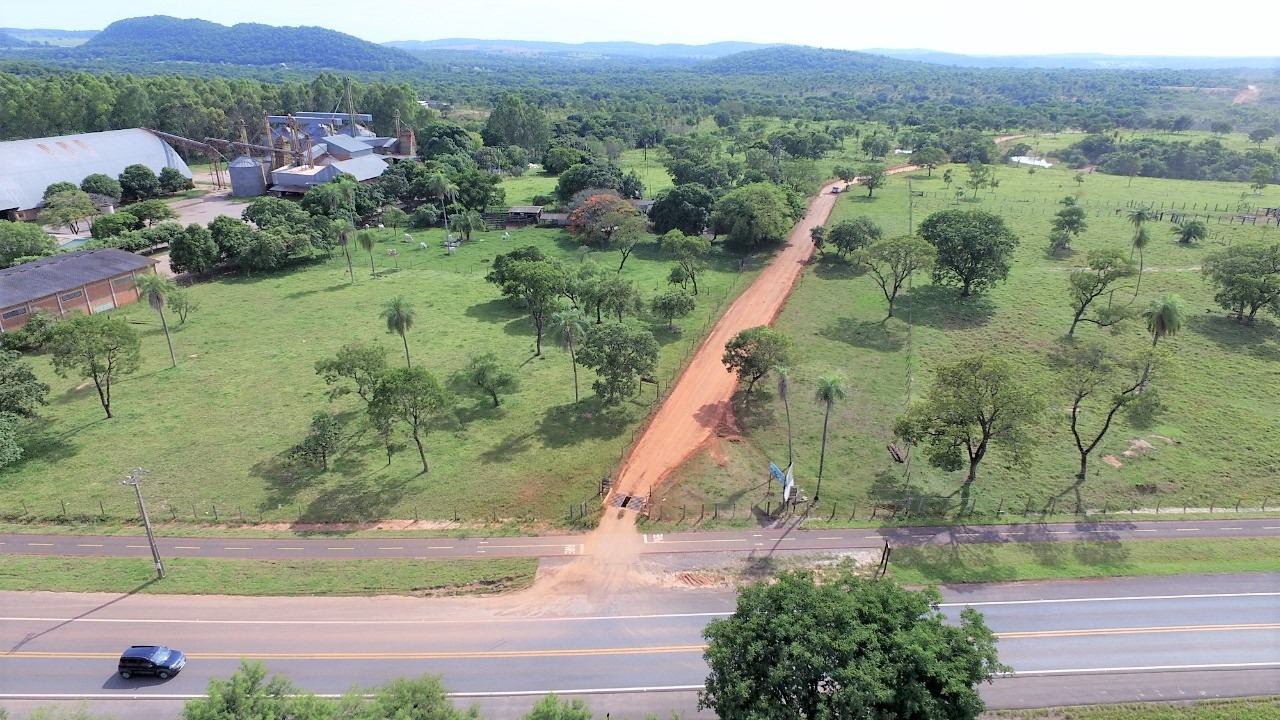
(776, 472)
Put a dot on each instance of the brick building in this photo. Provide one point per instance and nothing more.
(85, 281)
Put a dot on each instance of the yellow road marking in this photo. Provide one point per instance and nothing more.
(388, 656)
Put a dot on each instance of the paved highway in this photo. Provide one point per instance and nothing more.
(559, 545)
(1069, 643)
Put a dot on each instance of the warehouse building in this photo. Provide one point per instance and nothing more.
(27, 167)
(84, 281)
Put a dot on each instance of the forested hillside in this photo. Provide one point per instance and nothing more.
(166, 39)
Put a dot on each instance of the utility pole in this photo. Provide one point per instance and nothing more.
(134, 478)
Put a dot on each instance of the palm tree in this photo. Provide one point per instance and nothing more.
(783, 388)
(1140, 239)
(1164, 317)
(157, 288)
(345, 231)
(399, 315)
(830, 389)
(466, 223)
(1189, 231)
(367, 241)
(569, 327)
(441, 188)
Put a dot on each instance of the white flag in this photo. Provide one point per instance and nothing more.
(786, 485)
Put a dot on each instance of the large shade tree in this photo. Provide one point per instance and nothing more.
(101, 347)
(974, 248)
(412, 396)
(755, 351)
(847, 647)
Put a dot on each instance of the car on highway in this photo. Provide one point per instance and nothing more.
(156, 660)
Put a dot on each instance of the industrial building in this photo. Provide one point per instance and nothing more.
(84, 281)
(27, 167)
(311, 148)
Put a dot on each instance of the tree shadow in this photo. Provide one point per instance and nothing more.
(312, 291)
(1259, 338)
(830, 266)
(755, 410)
(884, 336)
(45, 441)
(495, 310)
(509, 447)
(942, 308)
(565, 425)
(356, 501)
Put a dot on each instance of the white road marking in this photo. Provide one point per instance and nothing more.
(1145, 668)
(1112, 599)
(186, 547)
(93, 545)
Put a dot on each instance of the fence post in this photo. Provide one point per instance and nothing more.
(1211, 506)
(25, 511)
(682, 513)
(102, 512)
(174, 511)
(64, 508)
(833, 513)
(1157, 506)
(1237, 504)
(215, 513)
(999, 507)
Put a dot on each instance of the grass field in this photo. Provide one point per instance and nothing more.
(1216, 444)
(203, 576)
(214, 432)
(1259, 708)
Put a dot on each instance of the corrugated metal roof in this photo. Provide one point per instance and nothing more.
(352, 146)
(34, 280)
(525, 209)
(27, 167)
(366, 167)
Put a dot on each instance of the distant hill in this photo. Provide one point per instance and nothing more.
(595, 49)
(787, 58)
(9, 41)
(1086, 61)
(47, 37)
(160, 38)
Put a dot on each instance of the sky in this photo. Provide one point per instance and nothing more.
(976, 27)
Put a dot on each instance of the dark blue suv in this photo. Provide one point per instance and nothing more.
(155, 660)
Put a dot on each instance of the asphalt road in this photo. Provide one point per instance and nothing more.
(784, 540)
(1069, 643)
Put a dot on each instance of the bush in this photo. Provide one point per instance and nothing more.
(106, 226)
(32, 336)
(425, 216)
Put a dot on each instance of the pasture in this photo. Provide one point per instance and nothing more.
(1215, 445)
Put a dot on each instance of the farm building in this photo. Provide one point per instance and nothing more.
(86, 281)
(27, 167)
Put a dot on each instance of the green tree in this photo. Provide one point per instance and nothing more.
(21, 392)
(686, 208)
(395, 218)
(515, 122)
(689, 252)
(891, 263)
(847, 173)
(853, 235)
(346, 229)
(117, 223)
(324, 437)
(830, 391)
(1089, 375)
(485, 372)
(1261, 135)
(873, 177)
(848, 647)
(540, 284)
(979, 176)
(157, 289)
(368, 241)
(1164, 317)
(104, 185)
(974, 248)
(467, 222)
(674, 303)
(399, 316)
(1247, 278)
(101, 347)
(361, 363)
(755, 351)
(974, 404)
(138, 182)
(179, 300)
(412, 396)
(1189, 231)
(1260, 178)
(929, 158)
(10, 448)
(1069, 222)
(818, 234)
(246, 694)
(25, 241)
(753, 215)
(194, 251)
(68, 209)
(1106, 267)
(420, 698)
(171, 181)
(569, 327)
(57, 188)
(620, 355)
(445, 191)
(551, 707)
(1140, 216)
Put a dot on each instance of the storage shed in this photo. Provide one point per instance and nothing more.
(27, 167)
(84, 281)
